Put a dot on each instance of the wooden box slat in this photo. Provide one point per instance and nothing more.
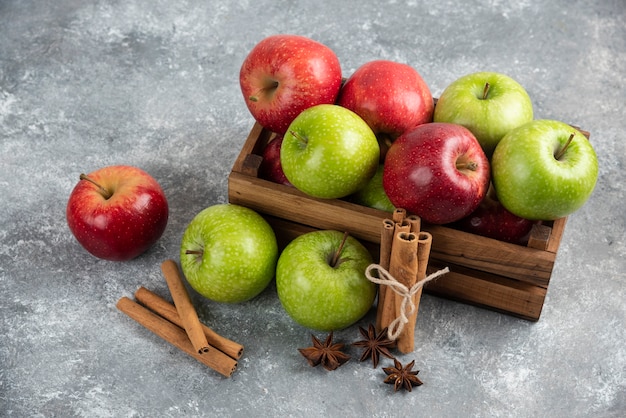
(498, 293)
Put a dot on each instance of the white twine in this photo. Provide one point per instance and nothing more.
(385, 278)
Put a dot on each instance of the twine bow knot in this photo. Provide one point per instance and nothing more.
(407, 307)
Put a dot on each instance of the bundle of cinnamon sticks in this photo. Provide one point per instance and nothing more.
(179, 325)
(404, 253)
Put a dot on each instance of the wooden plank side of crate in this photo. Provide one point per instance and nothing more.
(558, 228)
(291, 204)
(449, 245)
(287, 231)
(488, 291)
(257, 139)
(493, 256)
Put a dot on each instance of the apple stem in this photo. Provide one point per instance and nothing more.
(272, 86)
(335, 259)
(104, 192)
(491, 192)
(468, 165)
(560, 153)
(195, 252)
(299, 137)
(486, 91)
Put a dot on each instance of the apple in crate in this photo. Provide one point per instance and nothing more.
(285, 74)
(492, 220)
(271, 168)
(117, 212)
(544, 170)
(390, 96)
(228, 253)
(329, 152)
(437, 171)
(373, 194)
(489, 104)
(321, 282)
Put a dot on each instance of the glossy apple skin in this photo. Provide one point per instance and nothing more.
(373, 194)
(506, 106)
(316, 295)
(271, 168)
(492, 220)
(126, 224)
(285, 74)
(528, 179)
(238, 253)
(390, 96)
(421, 173)
(329, 152)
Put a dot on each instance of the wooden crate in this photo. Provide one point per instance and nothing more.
(496, 275)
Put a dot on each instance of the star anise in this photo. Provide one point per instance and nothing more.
(401, 376)
(329, 355)
(374, 344)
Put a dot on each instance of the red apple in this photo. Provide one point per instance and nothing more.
(116, 213)
(492, 220)
(437, 171)
(390, 96)
(285, 74)
(271, 168)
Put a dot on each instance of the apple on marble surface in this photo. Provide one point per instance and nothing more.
(117, 212)
(321, 282)
(228, 253)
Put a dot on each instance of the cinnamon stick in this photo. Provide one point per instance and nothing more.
(386, 239)
(424, 243)
(403, 226)
(386, 298)
(215, 359)
(168, 311)
(404, 268)
(415, 222)
(184, 307)
(402, 265)
(398, 215)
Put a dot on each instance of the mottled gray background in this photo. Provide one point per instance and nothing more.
(154, 83)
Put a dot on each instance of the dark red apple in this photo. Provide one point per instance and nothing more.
(437, 171)
(117, 212)
(285, 74)
(271, 168)
(390, 96)
(492, 220)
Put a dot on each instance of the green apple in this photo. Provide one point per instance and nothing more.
(228, 253)
(320, 290)
(544, 170)
(329, 152)
(373, 194)
(489, 104)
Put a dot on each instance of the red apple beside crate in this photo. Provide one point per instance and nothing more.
(485, 272)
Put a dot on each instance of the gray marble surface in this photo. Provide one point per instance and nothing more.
(84, 84)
